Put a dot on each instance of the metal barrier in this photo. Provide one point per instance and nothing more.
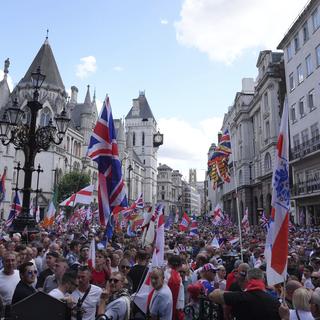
(206, 310)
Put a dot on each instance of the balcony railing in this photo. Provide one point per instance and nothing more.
(306, 148)
(309, 186)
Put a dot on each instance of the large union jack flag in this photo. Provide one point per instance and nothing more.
(103, 149)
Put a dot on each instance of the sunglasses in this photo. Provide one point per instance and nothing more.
(114, 280)
(31, 272)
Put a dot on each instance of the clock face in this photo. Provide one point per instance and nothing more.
(158, 138)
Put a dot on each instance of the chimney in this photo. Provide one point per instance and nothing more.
(247, 85)
(74, 95)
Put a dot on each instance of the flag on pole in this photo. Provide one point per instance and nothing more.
(169, 221)
(3, 185)
(159, 243)
(49, 218)
(245, 222)
(92, 254)
(150, 233)
(276, 249)
(83, 196)
(184, 224)
(217, 215)
(103, 149)
(215, 243)
(194, 227)
(15, 210)
(264, 222)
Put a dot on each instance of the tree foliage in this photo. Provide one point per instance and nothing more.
(71, 183)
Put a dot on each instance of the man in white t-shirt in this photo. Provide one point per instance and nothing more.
(68, 284)
(86, 296)
(9, 277)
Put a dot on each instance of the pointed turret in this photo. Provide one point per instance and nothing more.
(4, 87)
(87, 99)
(48, 66)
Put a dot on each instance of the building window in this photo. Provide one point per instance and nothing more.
(299, 73)
(318, 55)
(291, 81)
(314, 131)
(296, 43)
(162, 188)
(267, 162)
(267, 130)
(296, 141)
(162, 196)
(134, 139)
(315, 19)
(305, 136)
(266, 102)
(240, 177)
(45, 117)
(293, 113)
(311, 100)
(143, 138)
(289, 52)
(301, 108)
(305, 32)
(309, 65)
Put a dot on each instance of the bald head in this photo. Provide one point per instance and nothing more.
(291, 287)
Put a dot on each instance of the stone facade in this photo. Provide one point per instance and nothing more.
(301, 47)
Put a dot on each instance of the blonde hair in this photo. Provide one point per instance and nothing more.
(301, 299)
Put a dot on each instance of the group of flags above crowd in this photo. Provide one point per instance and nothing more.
(218, 163)
(113, 209)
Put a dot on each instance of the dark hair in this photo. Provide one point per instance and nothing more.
(73, 244)
(308, 267)
(84, 268)
(142, 255)
(53, 254)
(174, 261)
(23, 267)
(69, 277)
(20, 247)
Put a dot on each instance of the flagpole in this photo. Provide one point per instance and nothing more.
(236, 189)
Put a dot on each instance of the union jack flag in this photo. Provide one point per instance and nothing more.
(138, 204)
(15, 210)
(264, 221)
(103, 149)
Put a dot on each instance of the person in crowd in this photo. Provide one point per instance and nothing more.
(139, 271)
(302, 306)
(160, 299)
(207, 277)
(84, 255)
(220, 278)
(53, 281)
(231, 277)
(115, 260)
(252, 304)
(9, 277)
(306, 278)
(315, 305)
(291, 287)
(73, 255)
(86, 296)
(67, 285)
(115, 300)
(174, 281)
(102, 270)
(240, 278)
(125, 268)
(315, 279)
(51, 259)
(24, 288)
(186, 279)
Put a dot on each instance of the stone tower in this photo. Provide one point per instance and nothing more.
(193, 177)
(140, 128)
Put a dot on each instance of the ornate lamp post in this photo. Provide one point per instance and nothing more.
(31, 140)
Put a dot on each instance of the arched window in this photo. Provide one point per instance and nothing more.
(134, 139)
(143, 138)
(45, 117)
(267, 162)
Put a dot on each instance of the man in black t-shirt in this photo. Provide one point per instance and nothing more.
(252, 304)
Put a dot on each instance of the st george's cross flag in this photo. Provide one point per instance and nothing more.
(217, 215)
(83, 196)
(184, 224)
(103, 149)
(276, 248)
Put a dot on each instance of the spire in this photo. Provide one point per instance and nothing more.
(94, 96)
(6, 68)
(48, 66)
(87, 99)
(47, 36)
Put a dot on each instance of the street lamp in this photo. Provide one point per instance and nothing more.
(31, 140)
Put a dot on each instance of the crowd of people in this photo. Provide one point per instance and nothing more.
(210, 265)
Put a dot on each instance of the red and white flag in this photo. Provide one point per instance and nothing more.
(159, 244)
(84, 196)
(276, 249)
(245, 222)
(184, 224)
(217, 215)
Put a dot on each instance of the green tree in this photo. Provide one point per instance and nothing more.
(71, 183)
